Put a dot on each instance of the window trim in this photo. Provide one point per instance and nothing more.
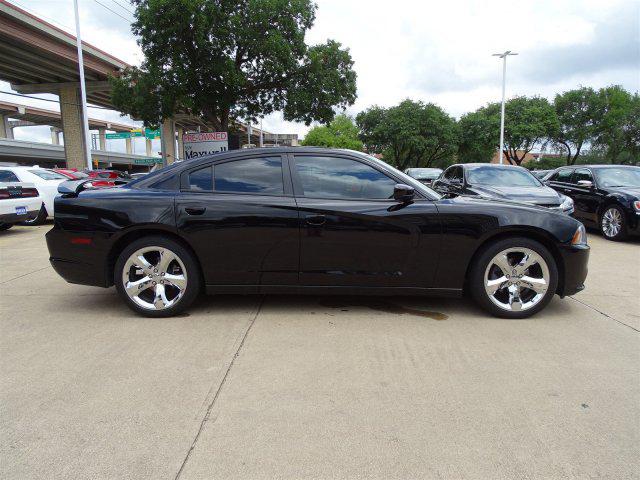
(299, 190)
(286, 181)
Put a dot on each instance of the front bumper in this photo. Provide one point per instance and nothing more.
(575, 259)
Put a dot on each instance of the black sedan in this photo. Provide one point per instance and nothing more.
(605, 196)
(501, 182)
(309, 220)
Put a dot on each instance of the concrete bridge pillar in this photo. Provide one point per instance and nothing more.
(180, 144)
(55, 135)
(148, 146)
(129, 146)
(102, 137)
(6, 130)
(74, 139)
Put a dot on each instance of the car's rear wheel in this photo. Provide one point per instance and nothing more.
(514, 278)
(612, 223)
(37, 220)
(157, 277)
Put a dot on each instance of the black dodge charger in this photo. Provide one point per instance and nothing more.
(309, 220)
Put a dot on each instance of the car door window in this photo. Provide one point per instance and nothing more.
(254, 175)
(8, 176)
(582, 174)
(201, 179)
(456, 175)
(342, 178)
(563, 176)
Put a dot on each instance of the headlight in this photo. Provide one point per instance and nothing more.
(636, 206)
(567, 204)
(580, 237)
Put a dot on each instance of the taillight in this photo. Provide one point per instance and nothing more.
(4, 194)
(29, 192)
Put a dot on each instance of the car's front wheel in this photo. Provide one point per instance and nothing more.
(514, 278)
(612, 223)
(157, 277)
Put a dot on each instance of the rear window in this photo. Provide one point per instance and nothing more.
(201, 180)
(48, 175)
(8, 176)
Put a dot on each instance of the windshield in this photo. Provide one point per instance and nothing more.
(501, 177)
(408, 180)
(618, 177)
(48, 175)
(424, 173)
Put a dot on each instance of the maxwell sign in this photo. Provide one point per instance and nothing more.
(201, 144)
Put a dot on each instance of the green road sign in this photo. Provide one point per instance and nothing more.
(112, 136)
(147, 161)
(136, 133)
(151, 134)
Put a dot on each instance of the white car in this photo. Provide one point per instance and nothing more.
(19, 202)
(45, 181)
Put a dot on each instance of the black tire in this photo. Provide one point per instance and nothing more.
(193, 276)
(615, 210)
(476, 281)
(5, 226)
(38, 220)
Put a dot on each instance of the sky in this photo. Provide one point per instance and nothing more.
(433, 51)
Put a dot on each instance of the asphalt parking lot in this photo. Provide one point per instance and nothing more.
(316, 387)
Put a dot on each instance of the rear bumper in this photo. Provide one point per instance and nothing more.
(80, 263)
(15, 218)
(575, 261)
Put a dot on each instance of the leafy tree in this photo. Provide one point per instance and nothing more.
(528, 122)
(223, 60)
(411, 134)
(618, 126)
(479, 135)
(577, 112)
(340, 133)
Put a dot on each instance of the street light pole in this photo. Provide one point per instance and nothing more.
(503, 56)
(83, 92)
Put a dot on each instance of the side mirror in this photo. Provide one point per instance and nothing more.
(403, 193)
(585, 183)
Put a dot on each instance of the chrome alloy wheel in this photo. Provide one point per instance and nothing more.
(154, 278)
(516, 279)
(611, 222)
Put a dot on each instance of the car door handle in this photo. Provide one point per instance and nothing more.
(195, 210)
(315, 220)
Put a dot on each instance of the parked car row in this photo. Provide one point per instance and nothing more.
(606, 197)
(27, 193)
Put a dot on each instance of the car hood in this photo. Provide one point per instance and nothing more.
(537, 195)
(631, 191)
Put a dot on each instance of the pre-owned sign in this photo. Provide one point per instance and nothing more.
(201, 144)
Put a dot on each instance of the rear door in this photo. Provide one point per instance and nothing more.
(586, 199)
(353, 233)
(241, 218)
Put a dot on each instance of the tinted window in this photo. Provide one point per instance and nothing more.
(332, 177)
(201, 180)
(563, 176)
(48, 175)
(582, 174)
(501, 176)
(255, 175)
(8, 176)
(169, 183)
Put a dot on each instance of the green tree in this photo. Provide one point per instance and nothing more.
(618, 125)
(411, 134)
(340, 133)
(529, 121)
(577, 112)
(223, 60)
(479, 135)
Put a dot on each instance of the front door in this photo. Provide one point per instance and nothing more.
(240, 216)
(352, 231)
(585, 199)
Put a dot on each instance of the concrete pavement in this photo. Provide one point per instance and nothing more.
(308, 387)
